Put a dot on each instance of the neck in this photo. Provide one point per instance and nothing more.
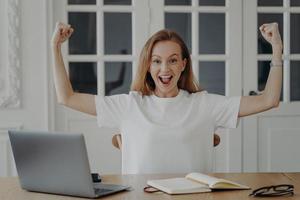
(173, 93)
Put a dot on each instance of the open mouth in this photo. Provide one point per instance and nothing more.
(165, 79)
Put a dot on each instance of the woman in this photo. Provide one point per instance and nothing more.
(167, 122)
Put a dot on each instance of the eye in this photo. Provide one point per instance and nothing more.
(173, 61)
(156, 61)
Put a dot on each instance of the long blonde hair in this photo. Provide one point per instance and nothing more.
(143, 81)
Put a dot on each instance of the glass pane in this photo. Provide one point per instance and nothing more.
(180, 23)
(89, 2)
(295, 32)
(177, 2)
(269, 2)
(118, 77)
(117, 2)
(263, 47)
(212, 2)
(83, 77)
(83, 40)
(117, 33)
(295, 80)
(211, 37)
(262, 74)
(294, 2)
(212, 76)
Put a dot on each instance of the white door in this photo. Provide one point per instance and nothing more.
(102, 55)
(212, 31)
(100, 59)
(271, 139)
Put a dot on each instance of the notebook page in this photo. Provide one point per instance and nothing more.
(215, 182)
(226, 184)
(178, 185)
(203, 178)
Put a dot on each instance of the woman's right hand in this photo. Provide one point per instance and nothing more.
(61, 33)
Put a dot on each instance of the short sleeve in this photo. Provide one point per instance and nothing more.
(111, 109)
(225, 111)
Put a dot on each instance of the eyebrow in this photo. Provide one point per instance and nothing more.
(168, 57)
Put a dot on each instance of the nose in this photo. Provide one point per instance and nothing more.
(164, 66)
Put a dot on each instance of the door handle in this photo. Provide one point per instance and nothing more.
(254, 93)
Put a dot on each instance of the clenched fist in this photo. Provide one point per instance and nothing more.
(271, 33)
(61, 33)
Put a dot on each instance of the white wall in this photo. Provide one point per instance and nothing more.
(33, 110)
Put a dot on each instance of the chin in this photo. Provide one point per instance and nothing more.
(166, 91)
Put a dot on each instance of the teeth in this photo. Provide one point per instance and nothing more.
(165, 78)
(169, 76)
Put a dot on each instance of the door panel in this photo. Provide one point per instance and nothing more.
(83, 77)
(99, 59)
(212, 76)
(118, 77)
(181, 22)
(212, 31)
(278, 143)
(83, 40)
(212, 38)
(269, 138)
(117, 33)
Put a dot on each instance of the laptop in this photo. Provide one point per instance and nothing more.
(57, 163)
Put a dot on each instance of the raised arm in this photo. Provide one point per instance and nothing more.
(64, 91)
(270, 97)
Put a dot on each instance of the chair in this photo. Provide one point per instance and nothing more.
(117, 140)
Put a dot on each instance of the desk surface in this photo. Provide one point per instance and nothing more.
(10, 188)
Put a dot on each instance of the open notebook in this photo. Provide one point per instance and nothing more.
(193, 183)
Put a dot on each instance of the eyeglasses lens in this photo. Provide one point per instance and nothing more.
(277, 190)
(283, 187)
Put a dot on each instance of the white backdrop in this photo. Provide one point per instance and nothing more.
(33, 110)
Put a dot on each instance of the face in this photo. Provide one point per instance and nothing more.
(166, 66)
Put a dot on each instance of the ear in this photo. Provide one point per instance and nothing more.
(184, 64)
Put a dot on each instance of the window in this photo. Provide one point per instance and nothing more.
(202, 25)
(287, 14)
(100, 52)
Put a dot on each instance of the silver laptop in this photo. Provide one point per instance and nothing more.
(56, 163)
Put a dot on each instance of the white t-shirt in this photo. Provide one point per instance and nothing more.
(167, 135)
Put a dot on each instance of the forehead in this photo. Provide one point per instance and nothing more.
(166, 48)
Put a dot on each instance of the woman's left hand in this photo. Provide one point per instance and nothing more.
(271, 33)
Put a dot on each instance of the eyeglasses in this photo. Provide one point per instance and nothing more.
(273, 191)
(150, 189)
